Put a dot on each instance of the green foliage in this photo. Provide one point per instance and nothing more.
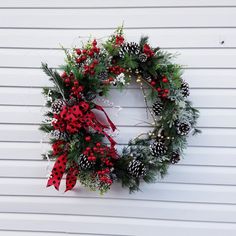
(176, 107)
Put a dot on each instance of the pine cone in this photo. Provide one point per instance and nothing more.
(103, 75)
(57, 106)
(182, 128)
(71, 102)
(142, 57)
(136, 168)
(158, 148)
(90, 96)
(130, 48)
(84, 163)
(185, 89)
(157, 107)
(175, 158)
(57, 134)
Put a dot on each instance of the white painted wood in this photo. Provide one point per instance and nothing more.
(163, 37)
(208, 137)
(198, 195)
(121, 3)
(201, 97)
(117, 207)
(177, 174)
(75, 18)
(192, 58)
(202, 78)
(124, 117)
(111, 225)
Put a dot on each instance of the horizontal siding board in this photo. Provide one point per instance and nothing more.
(176, 174)
(172, 192)
(179, 17)
(111, 225)
(42, 233)
(119, 208)
(201, 78)
(124, 117)
(121, 3)
(209, 137)
(193, 155)
(164, 38)
(201, 98)
(192, 58)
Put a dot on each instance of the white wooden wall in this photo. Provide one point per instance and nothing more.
(198, 196)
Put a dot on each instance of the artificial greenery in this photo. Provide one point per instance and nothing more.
(90, 72)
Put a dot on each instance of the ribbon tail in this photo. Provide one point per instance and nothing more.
(113, 127)
(71, 178)
(57, 171)
(99, 129)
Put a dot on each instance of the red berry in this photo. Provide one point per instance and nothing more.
(87, 138)
(78, 51)
(64, 75)
(90, 158)
(88, 148)
(67, 80)
(164, 80)
(78, 60)
(83, 58)
(159, 89)
(98, 144)
(91, 53)
(166, 91)
(76, 83)
(94, 43)
(84, 51)
(95, 62)
(153, 83)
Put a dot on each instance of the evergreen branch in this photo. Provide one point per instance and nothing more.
(55, 77)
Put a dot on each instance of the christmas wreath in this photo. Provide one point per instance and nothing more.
(82, 146)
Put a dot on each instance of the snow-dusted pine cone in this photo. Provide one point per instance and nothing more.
(182, 128)
(57, 106)
(103, 75)
(158, 148)
(185, 89)
(157, 107)
(84, 163)
(71, 102)
(130, 48)
(90, 96)
(175, 158)
(136, 168)
(57, 134)
(142, 57)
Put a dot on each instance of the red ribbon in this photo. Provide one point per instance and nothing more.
(58, 171)
(60, 164)
(71, 177)
(113, 127)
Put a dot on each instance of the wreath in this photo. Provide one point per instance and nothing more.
(82, 145)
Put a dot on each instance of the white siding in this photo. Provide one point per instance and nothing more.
(198, 197)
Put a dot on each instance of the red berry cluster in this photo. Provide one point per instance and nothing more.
(85, 53)
(104, 176)
(116, 70)
(89, 68)
(148, 51)
(119, 40)
(162, 92)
